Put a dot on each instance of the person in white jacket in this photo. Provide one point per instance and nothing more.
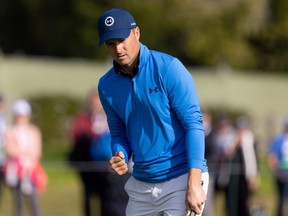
(23, 145)
(245, 172)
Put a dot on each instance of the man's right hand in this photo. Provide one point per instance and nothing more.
(118, 163)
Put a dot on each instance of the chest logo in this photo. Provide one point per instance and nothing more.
(151, 90)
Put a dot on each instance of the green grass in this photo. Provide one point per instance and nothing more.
(262, 96)
(62, 197)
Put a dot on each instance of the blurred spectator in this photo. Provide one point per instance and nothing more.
(211, 162)
(238, 165)
(232, 163)
(23, 145)
(89, 156)
(244, 178)
(3, 124)
(224, 140)
(278, 163)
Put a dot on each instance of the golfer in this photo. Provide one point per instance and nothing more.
(154, 117)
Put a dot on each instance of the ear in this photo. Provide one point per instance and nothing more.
(137, 33)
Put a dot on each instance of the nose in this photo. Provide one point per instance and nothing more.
(118, 47)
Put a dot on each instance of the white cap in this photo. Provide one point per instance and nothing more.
(21, 107)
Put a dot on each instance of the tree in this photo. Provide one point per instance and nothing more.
(238, 33)
(271, 42)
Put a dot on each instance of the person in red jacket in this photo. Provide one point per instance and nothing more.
(90, 154)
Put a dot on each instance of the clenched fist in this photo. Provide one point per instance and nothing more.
(118, 163)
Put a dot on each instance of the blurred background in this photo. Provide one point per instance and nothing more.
(236, 50)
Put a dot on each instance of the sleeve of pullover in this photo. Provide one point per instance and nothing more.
(183, 97)
(119, 141)
(195, 148)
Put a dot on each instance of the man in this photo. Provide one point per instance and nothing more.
(278, 164)
(3, 125)
(209, 155)
(154, 117)
(89, 155)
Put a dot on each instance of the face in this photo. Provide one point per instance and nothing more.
(206, 120)
(94, 103)
(22, 119)
(125, 51)
(1, 106)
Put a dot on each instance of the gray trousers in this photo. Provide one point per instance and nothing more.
(161, 199)
(19, 197)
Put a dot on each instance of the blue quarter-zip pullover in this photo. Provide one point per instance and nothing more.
(155, 116)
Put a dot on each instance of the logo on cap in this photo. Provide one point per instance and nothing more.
(109, 21)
